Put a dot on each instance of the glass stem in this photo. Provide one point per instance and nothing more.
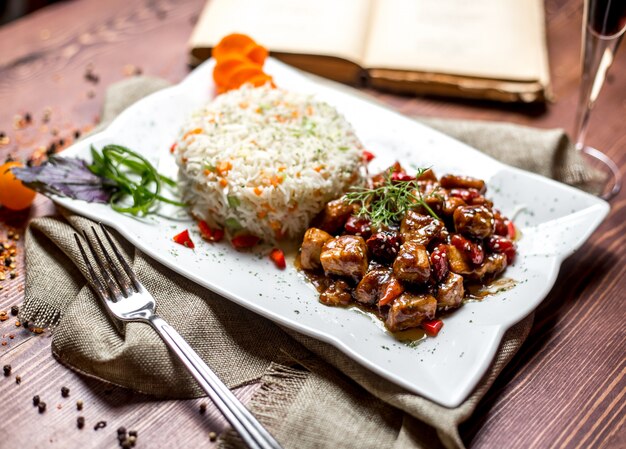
(598, 53)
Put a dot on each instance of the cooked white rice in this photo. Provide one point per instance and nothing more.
(264, 161)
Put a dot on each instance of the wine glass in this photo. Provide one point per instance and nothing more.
(604, 24)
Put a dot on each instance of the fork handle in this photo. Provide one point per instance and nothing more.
(239, 417)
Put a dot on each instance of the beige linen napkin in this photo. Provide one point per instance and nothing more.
(310, 394)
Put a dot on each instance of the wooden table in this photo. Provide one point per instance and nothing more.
(565, 387)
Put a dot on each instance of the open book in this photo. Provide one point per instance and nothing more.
(493, 49)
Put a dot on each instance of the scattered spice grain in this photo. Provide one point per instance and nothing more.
(36, 400)
(212, 436)
(80, 422)
(100, 425)
(79, 405)
(7, 370)
(203, 408)
(15, 310)
(65, 392)
(132, 433)
(41, 406)
(18, 379)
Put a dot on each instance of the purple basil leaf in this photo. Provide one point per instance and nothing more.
(66, 177)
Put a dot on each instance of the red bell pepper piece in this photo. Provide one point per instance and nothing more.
(278, 257)
(432, 327)
(184, 239)
(399, 176)
(368, 156)
(244, 241)
(212, 235)
(173, 147)
(511, 230)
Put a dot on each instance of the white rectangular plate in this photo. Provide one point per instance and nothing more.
(555, 221)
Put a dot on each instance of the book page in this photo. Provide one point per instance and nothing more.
(319, 27)
(498, 39)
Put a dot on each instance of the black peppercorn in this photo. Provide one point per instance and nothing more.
(212, 436)
(28, 118)
(15, 310)
(132, 433)
(65, 392)
(41, 406)
(76, 134)
(7, 370)
(80, 422)
(36, 400)
(100, 425)
(79, 405)
(203, 408)
(18, 379)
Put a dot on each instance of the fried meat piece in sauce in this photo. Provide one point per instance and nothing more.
(412, 263)
(409, 310)
(475, 221)
(312, 244)
(463, 182)
(334, 216)
(493, 264)
(457, 261)
(336, 294)
(420, 228)
(451, 291)
(378, 286)
(345, 255)
(451, 204)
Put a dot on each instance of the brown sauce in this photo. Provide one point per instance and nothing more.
(478, 292)
(318, 280)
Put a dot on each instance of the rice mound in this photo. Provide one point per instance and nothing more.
(265, 161)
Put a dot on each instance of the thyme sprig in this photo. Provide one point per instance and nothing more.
(388, 203)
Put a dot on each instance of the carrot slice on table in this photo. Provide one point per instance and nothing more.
(256, 53)
(233, 43)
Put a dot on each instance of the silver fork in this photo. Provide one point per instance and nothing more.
(127, 300)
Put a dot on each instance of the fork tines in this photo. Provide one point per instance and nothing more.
(117, 285)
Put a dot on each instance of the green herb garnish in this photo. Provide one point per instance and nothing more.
(233, 201)
(388, 203)
(133, 177)
(232, 225)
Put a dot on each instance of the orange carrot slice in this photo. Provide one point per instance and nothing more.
(261, 80)
(224, 68)
(242, 73)
(232, 43)
(256, 53)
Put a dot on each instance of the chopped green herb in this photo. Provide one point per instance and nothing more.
(233, 225)
(233, 201)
